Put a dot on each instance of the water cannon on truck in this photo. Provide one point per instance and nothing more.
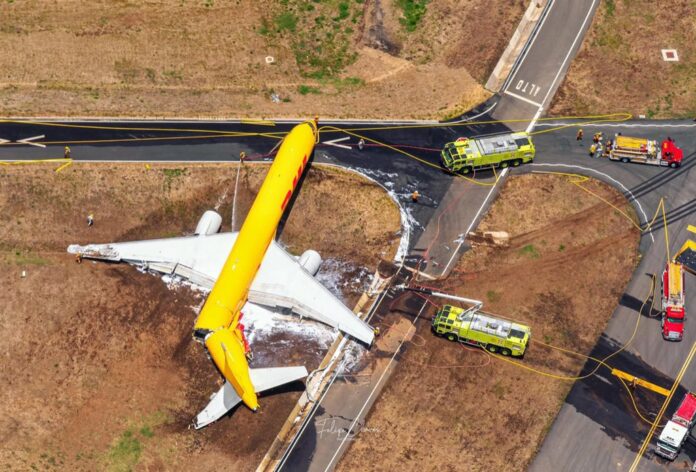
(476, 328)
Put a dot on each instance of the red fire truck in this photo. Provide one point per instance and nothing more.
(644, 151)
(673, 310)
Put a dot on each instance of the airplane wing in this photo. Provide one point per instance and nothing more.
(263, 379)
(280, 282)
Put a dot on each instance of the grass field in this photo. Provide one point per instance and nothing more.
(222, 58)
(620, 66)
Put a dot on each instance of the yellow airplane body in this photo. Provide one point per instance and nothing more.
(218, 321)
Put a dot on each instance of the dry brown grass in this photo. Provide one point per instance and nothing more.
(620, 67)
(182, 58)
(95, 352)
(448, 407)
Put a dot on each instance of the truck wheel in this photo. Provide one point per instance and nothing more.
(492, 348)
(504, 164)
(465, 170)
(505, 352)
(451, 337)
(625, 160)
(516, 163)
(673, 165)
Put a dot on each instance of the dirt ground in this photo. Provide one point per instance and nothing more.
(208, 58)
(624, 44)
(451, 407)
(99, 368)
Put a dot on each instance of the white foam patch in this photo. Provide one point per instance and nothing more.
(260, 323)
(332, 276)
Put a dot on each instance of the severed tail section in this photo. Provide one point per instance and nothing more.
(263, 379)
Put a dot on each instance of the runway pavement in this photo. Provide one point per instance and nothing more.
(597, 408)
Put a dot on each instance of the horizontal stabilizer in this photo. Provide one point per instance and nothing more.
(263, 379)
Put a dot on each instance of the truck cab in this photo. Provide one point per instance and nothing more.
(671, 439)
(673, 324)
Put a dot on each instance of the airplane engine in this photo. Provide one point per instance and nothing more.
(209, 223)
(310, 261)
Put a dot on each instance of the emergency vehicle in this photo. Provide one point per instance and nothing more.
(501, 150)
(677, 429)
(473, 327)
(673, 310)
(644, 151)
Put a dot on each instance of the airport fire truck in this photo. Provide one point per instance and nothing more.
(677, 429)
(500, 150)
(673, 309)
(472, 326)
(644, 151)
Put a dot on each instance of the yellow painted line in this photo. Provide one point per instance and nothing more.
(691, 228)
(67, 164)
(636, 381)
(258, 122)
(33, 161)
(677, 381)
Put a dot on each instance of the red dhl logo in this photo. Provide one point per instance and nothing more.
(288, 195)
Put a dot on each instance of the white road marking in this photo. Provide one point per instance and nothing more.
(522, 86)
(463, 238)
(570, 50)
(532, 123)
(633, 198)
(33, 138)
(622, 125)
(529, 47)
(338, 140)
(476, 116)
(379, 381)
(524, 99)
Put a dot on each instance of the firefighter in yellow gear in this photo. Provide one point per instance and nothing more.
(593, 150)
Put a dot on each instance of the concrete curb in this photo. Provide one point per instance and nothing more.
(517, 44)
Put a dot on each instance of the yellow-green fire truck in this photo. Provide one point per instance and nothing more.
(500, 150)
(478, 329)
(471, 326)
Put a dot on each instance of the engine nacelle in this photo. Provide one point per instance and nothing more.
(310, 261)
(209, 223)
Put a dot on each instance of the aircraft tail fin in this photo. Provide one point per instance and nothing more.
(263, 379)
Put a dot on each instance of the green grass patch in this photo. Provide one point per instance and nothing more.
(412, 11)
(561, 248)
(286, 21)
(170, 175)
(147, 432)
(531, 251)
(307, 89)
(609, 7)
(323, 33)
(493, 296)
(24, 258)
(125, 453)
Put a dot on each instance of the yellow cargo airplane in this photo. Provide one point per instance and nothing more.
(256, 270)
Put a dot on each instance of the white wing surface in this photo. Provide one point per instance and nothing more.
(281, 280)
